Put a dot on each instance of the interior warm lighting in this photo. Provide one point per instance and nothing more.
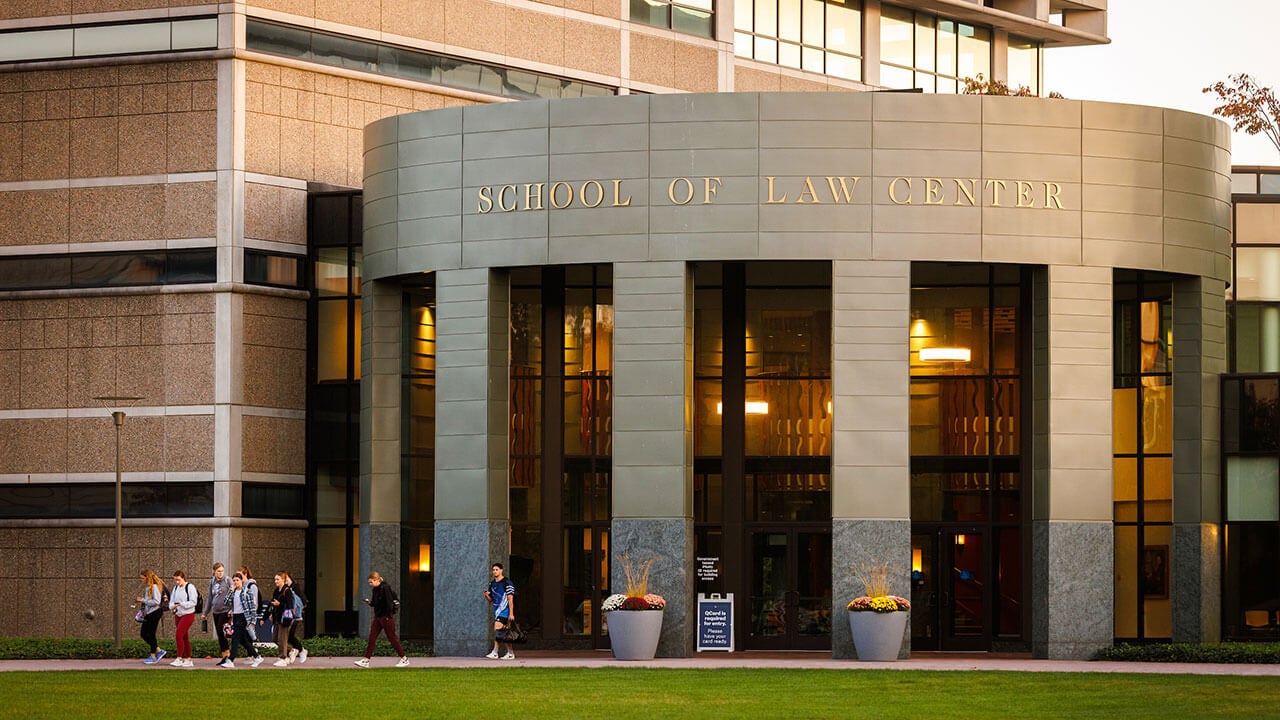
(424, 558)
(945, 354)
(753, 407)
(960, 539)
(917, 560)
(919, 328)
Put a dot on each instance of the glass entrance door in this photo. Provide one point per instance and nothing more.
(789, 602)
(951, 590)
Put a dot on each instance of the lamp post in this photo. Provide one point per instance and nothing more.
(117, 418)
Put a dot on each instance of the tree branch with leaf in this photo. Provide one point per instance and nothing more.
(1250, 107)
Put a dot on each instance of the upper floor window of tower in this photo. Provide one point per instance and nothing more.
(934, 54)
(815, 35)
(696, 17)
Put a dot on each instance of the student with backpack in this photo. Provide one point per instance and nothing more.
(385, 605)
(285, 615)
(219, 606)
(183, 601)
(244, 615)
(155, 597)
(297, 653)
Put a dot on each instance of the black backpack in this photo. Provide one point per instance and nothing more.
(199, 599)
(164, 596)
(395, 600)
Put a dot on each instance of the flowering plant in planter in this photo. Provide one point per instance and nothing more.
(637, 596)
(875, 583)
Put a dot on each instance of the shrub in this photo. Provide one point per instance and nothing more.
(1251, 653)
(133, 648)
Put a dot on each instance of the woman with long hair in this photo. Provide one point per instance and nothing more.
(282, 616)
(182, 601)
(244, 614)
(152, 600)
(297, 653)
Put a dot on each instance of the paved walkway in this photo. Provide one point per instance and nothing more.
(549, 659)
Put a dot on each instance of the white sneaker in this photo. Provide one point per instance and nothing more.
(302, 656)
(257, 660)
(404, 662)
(227, 663)
(493, 655)
(177, 662)
(293, 654)
(281, 663)
(186, 662)
(509, 656)
(362, 662)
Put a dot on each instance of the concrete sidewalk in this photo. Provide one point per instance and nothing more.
(602, 659)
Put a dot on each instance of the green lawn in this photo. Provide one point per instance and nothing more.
(618, 693)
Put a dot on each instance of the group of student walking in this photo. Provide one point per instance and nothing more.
(233, 604)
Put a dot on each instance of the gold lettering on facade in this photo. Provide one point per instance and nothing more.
(617, 195)
(599, 193)
(530, 197)
(555, 188)
(893, 194)
(502, 193)
(772, 200)
(967, 192)
(932, 191)
(996, 186)
(1051, 192)
(845, 189)
(484, 202)
(688, 190)
(808, 192)
(709, 187)
(1024, 194)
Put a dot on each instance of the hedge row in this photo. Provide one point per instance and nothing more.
(1254, 653)
(55, 648)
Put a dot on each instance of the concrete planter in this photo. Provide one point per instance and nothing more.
(877, 636)
(633, 634)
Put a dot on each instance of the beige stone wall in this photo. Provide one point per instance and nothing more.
(142, 119)
(759, 78)
(664, 60)
(310, 125)
(275, 352)
(273, 445)
(275, 213)
(73, 566)
(267, 551)
(64, 352)
(45, 8)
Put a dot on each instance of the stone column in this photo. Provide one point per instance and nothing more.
(653, 439)
(871, 452)
(380, 395)
(1199, 336)
(1073, 584)
(472, 529)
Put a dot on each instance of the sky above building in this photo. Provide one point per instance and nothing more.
(1163, 53)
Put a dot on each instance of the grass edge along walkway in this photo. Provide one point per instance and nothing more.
(632, 692)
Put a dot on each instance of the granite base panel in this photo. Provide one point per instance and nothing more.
(464, 551)
(670, 540)
(1072, 588)
(1197, 600)
(862, 543)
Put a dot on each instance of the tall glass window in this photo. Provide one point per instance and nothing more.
(1024, 66)
(333, 410)
(762, 446)
(561, 447)
(933, 54)
(1142, 436)
(821, 36)
(417, 456)
(1255, 287)
(967, 416)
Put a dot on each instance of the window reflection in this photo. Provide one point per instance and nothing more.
(919, 50)
(814, 35)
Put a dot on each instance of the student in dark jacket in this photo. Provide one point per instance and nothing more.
(282, 602)
(382, 600)
(297, 653)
